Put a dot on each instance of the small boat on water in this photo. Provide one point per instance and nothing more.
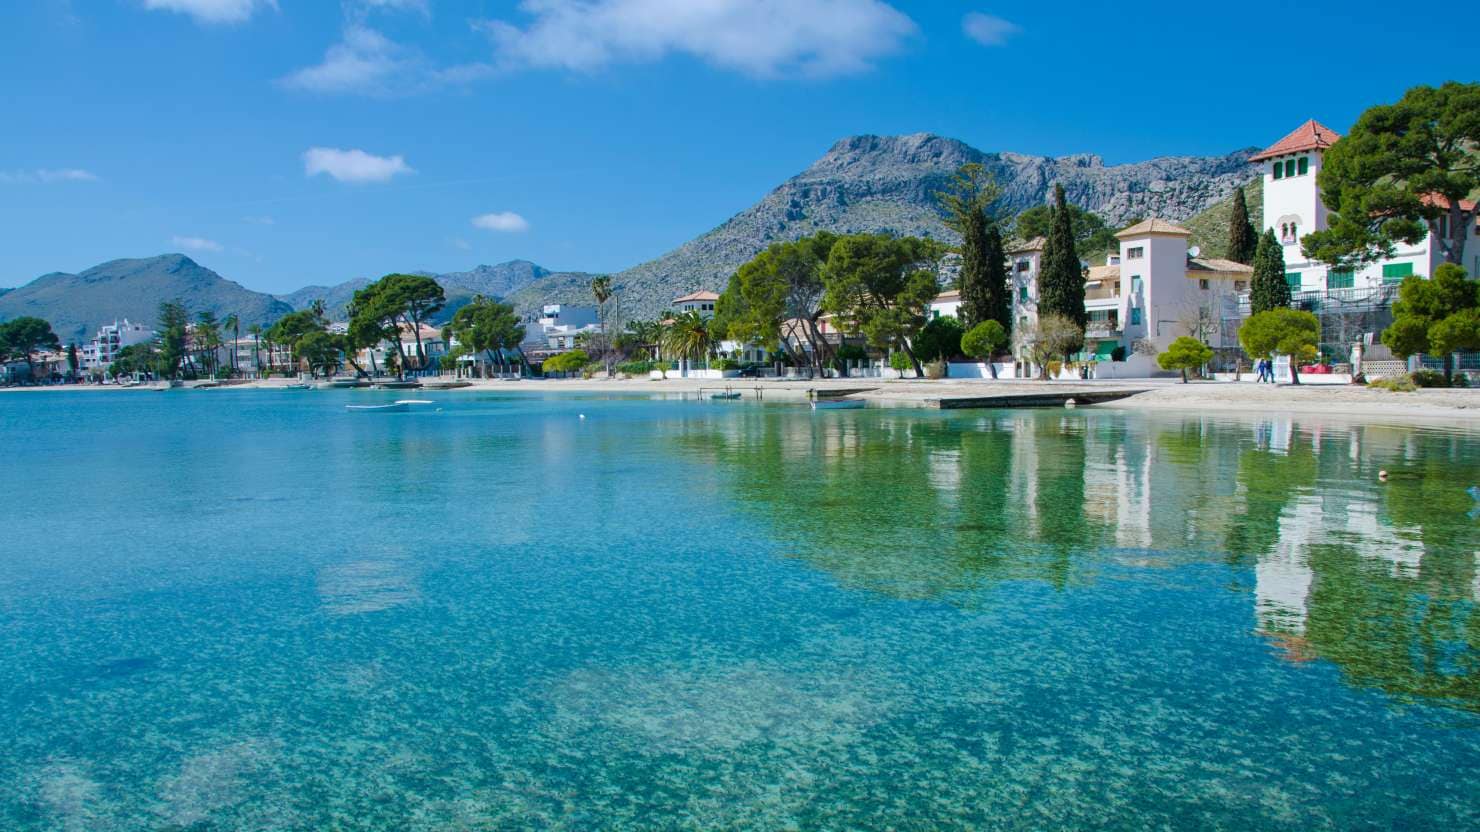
(297, 387)
(414, 401)
(398, 407)
(726, 396)
(345, 382)
(837, 404)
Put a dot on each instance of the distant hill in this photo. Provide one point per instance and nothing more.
(497, 281)
(887, 184)
(1210, 228)
(77, 304)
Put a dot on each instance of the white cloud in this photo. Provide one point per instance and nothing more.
(46, 176)
(760, 38)
(366, 61)
(196, 244)
(988, 30)
(507, 222)
(398, 5)
(353, 165)
(213, 11)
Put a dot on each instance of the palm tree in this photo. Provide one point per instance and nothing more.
(256, 332)
(233, 323)
(601, 289)
(688, 337)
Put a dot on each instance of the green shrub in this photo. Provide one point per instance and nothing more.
(724, 364)
(1395, 384)
(637, 368)
(1429, 378)
(567, 362)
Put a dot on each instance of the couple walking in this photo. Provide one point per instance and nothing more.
(1265, 368)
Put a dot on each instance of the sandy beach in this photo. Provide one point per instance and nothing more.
(1453, 405)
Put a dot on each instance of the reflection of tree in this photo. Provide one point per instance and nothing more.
(1409, 638)
(912, 507)
(1269, 481)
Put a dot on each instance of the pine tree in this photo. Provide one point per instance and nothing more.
(1268, 289)
(1061, 279)
(999, 304)
(1242, 240)
(976, 290)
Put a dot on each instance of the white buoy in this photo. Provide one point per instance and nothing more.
(583, 415)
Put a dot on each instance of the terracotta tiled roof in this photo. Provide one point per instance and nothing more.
(1311, 135)
(1103, 272)
(1147, 228)
(1025, 246)
(1219, 265)
(1441, 201)
(700, 295)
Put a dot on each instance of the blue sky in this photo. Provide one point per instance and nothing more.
(288, 142)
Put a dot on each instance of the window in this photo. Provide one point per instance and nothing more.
(1023, 294)
(1203, 284)
(1303, 165)
(1279, 170)
(1289, 167)
(1293, 280)
(1340, 280)
(1135, 316)
(1240, 285)
(1135, 253)
(1395, 272)
(1115, 287)
(1289, 233)
(1023, 265)
(1135, 284)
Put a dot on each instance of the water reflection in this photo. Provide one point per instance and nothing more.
(1379, 578)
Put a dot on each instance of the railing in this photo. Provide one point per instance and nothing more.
(1093, 330)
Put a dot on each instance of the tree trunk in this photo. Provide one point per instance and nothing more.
(991, 368)
(1294, 371)
(1184, 375)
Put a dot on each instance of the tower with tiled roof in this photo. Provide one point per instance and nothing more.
(1292, 202)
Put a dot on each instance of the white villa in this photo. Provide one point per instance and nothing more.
(558, 327)
(103, 350)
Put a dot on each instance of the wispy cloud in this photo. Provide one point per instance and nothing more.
(759, 38)
(196, 244)
(259, 220)
(506, 222)
(45, 176)
(354, 166)
(988, 30)
(213, 11)
(366, 61)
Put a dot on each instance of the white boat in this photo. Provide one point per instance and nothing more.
(414, 401)
(398, 407)
(837, 404)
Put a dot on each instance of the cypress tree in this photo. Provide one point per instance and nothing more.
(1242, 241)
(1061, 278)
(1268, 289)
(999, 304)
(976, 300)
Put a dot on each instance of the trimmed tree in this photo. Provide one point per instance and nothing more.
(1061, 279)
(1268, 288)
(1438, 316)
(1243, 241)
(984, 341)
(26, 336)
(1405, 170)
(1185, 354)
(1282, 331)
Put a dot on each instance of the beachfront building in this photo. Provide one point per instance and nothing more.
(1293, 208)
(702, 302)
(559, 327)
(103, 349)
(946, 305)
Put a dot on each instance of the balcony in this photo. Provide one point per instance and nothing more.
(1102, 329)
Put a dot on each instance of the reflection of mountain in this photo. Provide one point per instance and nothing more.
(1381, 580)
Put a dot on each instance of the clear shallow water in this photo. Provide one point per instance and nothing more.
(251, 610)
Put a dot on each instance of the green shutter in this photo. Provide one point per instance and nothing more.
(1293, 278)
(1279, 170)
(1289, 167)
(1304, 166)
(1340, 280)
(1135, 316)
(1395, 272)
(1023, 294)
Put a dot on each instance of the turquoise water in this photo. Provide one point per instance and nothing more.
(252, 610)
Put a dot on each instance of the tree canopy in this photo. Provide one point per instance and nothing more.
(1402, 172)
(1061, 277)
(881, 287)
(781, 284)
(1089, 230)
(984, 341)
(1243, 241)
(972, 191)
(25, 336)
(1282, 331)
(567, 362)
(487, 328)
(1438, 316)
(985, 294)
(1268, 288)
(1185, 354)
(939, 339)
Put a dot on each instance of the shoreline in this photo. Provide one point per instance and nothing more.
(1367, 404)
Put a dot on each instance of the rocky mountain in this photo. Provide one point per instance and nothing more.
(497, 281)
(77, 304)
(887, 184)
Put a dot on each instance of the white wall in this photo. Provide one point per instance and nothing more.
(978, 369)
